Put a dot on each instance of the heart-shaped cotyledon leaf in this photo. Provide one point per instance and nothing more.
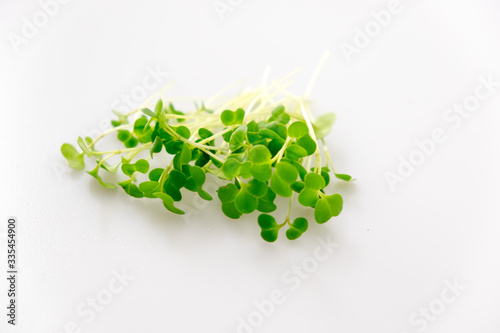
(269, 227)
(174, 182)
(297, 228)
(327, 207)
(229, 117)
(313, 184)
(233, 168)
(73, 157)
(141, 166)
(284, 176)
(247, 199)
(261, 168)
(226, 195)
(195, 178)
(266, 202)
(279, 115)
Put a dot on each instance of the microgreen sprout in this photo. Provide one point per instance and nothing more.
(264, 143)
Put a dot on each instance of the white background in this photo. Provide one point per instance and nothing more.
(396, 249)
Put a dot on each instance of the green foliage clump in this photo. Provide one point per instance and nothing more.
(260, 149)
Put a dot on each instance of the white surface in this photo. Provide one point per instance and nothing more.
(200, 274)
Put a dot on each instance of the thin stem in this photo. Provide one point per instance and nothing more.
(120, 151)
(101, 162)
(289, 209)
(279, 155)
(216, 135)
(111, 130)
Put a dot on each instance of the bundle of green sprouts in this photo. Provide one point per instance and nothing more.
(263, 143)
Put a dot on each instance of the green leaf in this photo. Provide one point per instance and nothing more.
(183, 131)
(195, 180)
(140, 126)
(155, 174)
(156, 147)
(297, 228)
(229, 117)
(314, 181)
(149, 187)
(268, 134)
(142, 166)
(257, 188)
(275, 145)
(298, 186)
(343, 177)
(245, 170)
(84, 147)
(231, 168)
(128, 169)
(245, 202)
(131, 142)
(226, 195)
(308, 197)
(123, 135)
(74, 159)
(121, 117)
(277, 128)
(131, 189)
(328, 207)
(269, 227)
(148, 112)
(203, 133)
(158, 108)
(94, 173)
(297, 129)
(261, 163)
(323, 125)
(266, 202)
(227, 136)
(174, 182)
(168, 202)
(279, 115)
(295, 152)
(182, 157)
(238, 137)
(307, 143)
(284, 176)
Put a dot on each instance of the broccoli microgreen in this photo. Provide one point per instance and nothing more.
(262, 145)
